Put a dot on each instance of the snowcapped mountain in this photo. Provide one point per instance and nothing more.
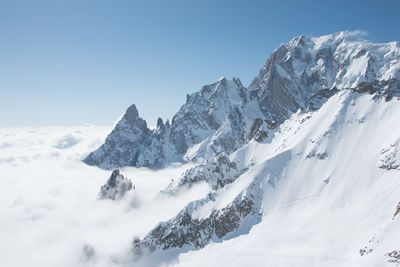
(212, 121)
(302, 168)
(308, 69)
(294, 139)
(301, 74)
(327, 173)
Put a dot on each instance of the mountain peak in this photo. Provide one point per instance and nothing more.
(160, 122)
(333, 38)
(298, 75)
(131, 113)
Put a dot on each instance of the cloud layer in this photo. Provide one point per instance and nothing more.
(50, 213)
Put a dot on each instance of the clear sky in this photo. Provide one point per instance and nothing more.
(85, 61)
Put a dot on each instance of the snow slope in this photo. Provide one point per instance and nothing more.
(323, 195)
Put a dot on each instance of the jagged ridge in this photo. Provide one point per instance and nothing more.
(301, 74)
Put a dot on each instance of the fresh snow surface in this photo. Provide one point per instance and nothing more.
(326, 196)
(329, 185)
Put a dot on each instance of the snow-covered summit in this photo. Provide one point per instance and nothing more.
(300, 69)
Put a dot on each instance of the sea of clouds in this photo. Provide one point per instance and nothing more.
(50, 212)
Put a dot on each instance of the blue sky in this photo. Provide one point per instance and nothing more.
(76, 62)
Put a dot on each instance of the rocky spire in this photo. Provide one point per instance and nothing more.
(160, 123)
(116, 186)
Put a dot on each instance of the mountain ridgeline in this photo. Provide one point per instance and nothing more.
(225, 115)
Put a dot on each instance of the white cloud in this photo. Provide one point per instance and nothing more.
(49, 206)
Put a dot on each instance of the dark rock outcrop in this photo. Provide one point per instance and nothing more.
(389, 158)
(190, 231)
(319, 98)
(318, 155)
(394, 256)
(217, 172)
(116, 187)
(124, 144)
(257, 131)
(397, 211)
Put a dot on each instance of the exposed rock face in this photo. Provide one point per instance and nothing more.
(271, 125)
(205, 112)
(190, 229)
(390, 158)
(223, 214)
(116, 187)
(124, 144)
(320, 97)
(307, 71)
(217, 172)
(217, 116)
(257, 131)
(381, 88)
(397, 211)
(394, 256)
(318, 155)
(301, 74)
